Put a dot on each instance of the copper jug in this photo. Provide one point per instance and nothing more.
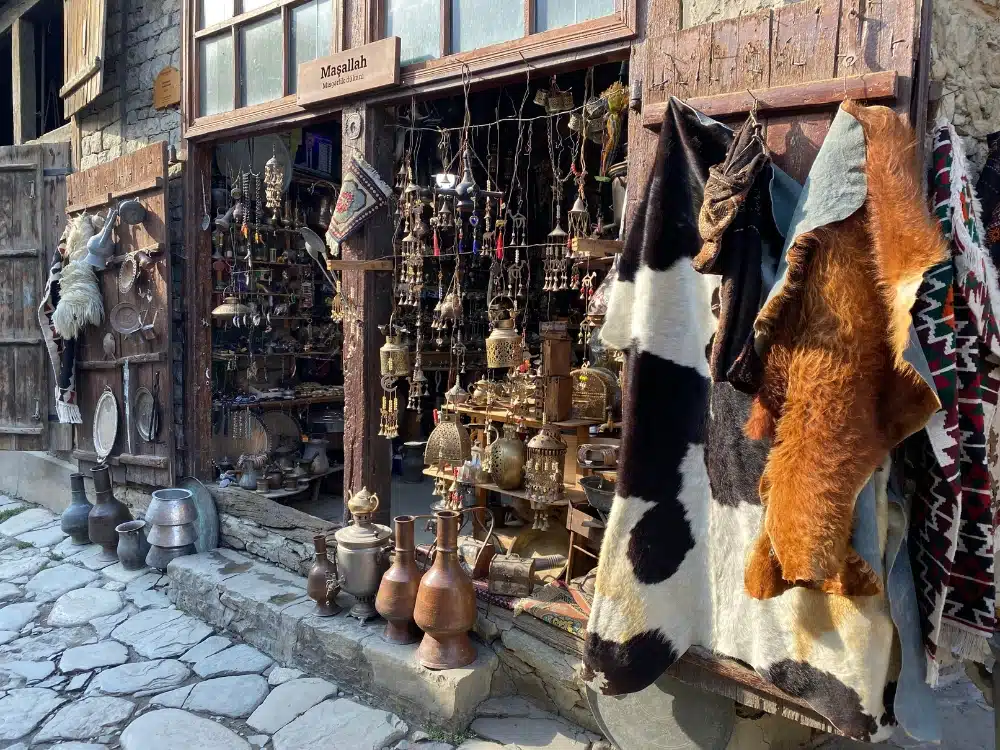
(322, 585)
(446, 603)
(397, 594)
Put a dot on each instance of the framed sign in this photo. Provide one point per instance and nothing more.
(167, 88)
(366, 68)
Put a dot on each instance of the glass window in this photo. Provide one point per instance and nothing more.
(212, 12)
(417, 23)
(312, 32)
(260, 61)
(554, 14)
(480, 23)
(215, 67)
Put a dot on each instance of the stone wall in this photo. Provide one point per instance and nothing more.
(143, 37)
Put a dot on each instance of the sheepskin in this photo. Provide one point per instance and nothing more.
(80, 302)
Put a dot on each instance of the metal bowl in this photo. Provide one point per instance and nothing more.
(172, 536)
(160, 557)
(600, 492)
(171, 507)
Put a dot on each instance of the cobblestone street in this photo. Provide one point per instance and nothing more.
(93, 656)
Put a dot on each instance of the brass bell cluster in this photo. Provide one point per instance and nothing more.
(394, 358)
(556, 262)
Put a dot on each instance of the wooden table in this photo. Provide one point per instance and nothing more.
(308, 484)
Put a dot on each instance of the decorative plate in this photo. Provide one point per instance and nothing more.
(143, 406)
(125, 318)
(668, 715)
(105, 424)
(128, 272)
(241, 433)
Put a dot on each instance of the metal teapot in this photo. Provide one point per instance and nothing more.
(101, 246)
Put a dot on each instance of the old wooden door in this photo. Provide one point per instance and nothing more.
(32, 200)
(105, 354)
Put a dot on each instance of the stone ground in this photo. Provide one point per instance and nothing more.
(95, 657)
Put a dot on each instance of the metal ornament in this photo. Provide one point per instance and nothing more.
(544, 471)
(579, 217)
(362, 554)
(503, 345)
(274, 184)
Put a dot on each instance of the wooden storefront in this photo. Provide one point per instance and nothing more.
(795, 64)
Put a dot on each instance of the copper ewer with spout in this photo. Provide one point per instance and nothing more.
(446, 603)
(323, 585)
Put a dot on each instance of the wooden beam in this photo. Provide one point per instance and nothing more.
(80, 78)
(359, 265)
(282, 520)
(23, 78)
(366, 454)
(797, 97)
(197, 296)
(11, 14)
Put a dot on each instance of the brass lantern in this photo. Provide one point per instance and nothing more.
(544, 471)
(503, 345)
(449, 442)
(394, 357)
(579, 217)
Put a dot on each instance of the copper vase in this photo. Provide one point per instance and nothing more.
(446, 603)
(397, 594)
(321, 585)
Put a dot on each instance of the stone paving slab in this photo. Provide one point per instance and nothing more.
(236, 696)
(16, 616)
(158, 633)
(171, 729)
(172, 698)
(85, 718)
(48, 536)
(47, 645)
(241, 659)
(23, 565)
(140, 678)
(23, 710)
(51, 583)
(211, 645)
(341, 725)
(27, 520)
(531, 734)
(83, 605)
(289, 701)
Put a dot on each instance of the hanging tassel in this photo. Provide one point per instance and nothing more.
(500, 245)
(437, 244)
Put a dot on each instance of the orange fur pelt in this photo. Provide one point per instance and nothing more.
(837, 394)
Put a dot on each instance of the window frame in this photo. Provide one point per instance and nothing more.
(605, 37)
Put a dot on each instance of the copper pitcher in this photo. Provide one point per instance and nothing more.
(446, 603)
(397, 594)
(322, 585)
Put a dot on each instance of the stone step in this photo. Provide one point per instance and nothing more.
(267, 607)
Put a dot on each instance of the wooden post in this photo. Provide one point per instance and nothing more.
(23, 77)
(197, 311)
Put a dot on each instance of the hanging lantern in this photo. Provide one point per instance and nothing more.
(544, 469)
(401, 174)
(394, 357)
(467, 189)
(445, 215)
(555, 254)
(579, 218)
(230, 307)
(503, 345)
(274, 184)
(449, 442)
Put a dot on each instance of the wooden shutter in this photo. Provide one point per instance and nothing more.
(141, 175)
(31, 220)
(83, 55)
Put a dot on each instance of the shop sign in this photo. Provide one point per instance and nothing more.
(353, 71)
(167, 88)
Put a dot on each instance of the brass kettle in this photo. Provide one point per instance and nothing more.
(503, 345)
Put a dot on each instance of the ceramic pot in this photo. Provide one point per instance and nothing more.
(160, 557)
(74, 518)
(132, 544)
(106, 514)
(446, 603)
(171, 507)
(397, 594)
(507, 459)
(248, 479)
(413, 461)
(321, 584)
(274, 478)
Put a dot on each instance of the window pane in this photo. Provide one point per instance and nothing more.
(417, 23)
(480, 23)
(312, 31)
(553, 14)
(260, 61)
(215, 63)
(214, 11)
(248, 5)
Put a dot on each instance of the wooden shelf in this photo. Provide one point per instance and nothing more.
(283, 403)
(571, 495)
(501, 415)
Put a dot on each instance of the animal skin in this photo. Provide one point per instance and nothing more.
(837, 394)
